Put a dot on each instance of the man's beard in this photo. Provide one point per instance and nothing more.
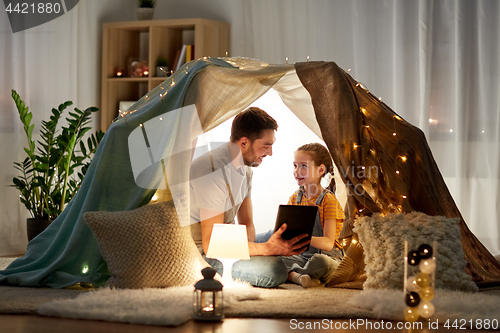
(250, 159)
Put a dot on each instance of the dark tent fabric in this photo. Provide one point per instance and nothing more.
(362, 132)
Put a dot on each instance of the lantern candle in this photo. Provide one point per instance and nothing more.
(207, 298)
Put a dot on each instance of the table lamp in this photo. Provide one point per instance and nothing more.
(228, 244)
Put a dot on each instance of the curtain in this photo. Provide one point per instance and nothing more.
(47, 65)
(436, 63)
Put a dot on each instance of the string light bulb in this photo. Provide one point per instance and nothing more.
(286, 60)
(361, 85)
(307, 58)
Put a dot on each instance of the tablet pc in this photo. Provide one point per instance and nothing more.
(299, 220)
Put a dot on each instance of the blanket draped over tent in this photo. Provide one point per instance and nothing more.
(357, 128)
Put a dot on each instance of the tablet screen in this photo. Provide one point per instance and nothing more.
(299, 220)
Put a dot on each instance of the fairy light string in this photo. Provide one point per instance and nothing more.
(400, 158)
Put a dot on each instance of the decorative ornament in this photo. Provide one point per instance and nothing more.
(425, 251)
(413, 258)
(411, 314)
(419, 288)
(427, 266)
(426, 309)
(411, 284)
(412, 299)
(423, 280)
(426, 294)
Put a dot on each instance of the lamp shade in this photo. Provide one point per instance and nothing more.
(228, 241)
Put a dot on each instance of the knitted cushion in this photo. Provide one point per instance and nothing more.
(146, 247)
(382, 238)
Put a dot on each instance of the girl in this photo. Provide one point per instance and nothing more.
(311, 163)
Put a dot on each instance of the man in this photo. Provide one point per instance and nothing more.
(221, 183)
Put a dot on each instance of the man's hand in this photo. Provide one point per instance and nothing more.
(278, 246)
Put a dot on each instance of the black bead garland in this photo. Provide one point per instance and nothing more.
(425, 251)
(416, 305)
(413, 258)
(412, 299)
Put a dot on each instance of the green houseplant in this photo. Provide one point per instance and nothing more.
(146, 3)
(145, 10)
(52, 172)
(162, 69)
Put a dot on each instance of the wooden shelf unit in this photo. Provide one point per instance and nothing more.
(125, 40)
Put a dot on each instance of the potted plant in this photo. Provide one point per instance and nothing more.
(145, 10)
(52, 172)
(161, 67)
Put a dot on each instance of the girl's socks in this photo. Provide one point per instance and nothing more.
(303, 279)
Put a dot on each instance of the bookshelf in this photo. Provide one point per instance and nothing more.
(146, 41)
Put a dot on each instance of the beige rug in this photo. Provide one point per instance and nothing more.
(286, 301)
(172, 306)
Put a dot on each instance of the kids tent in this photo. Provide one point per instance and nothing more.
(359, 130)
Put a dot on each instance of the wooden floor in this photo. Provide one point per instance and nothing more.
(39, 324)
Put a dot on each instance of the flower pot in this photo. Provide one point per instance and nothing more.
(35, 227)
(145, 13)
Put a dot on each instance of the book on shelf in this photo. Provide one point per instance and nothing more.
(176, 60)
(189, 53)
(186, 54)
(182, 57)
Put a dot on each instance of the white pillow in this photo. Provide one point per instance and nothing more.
(382, 238)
